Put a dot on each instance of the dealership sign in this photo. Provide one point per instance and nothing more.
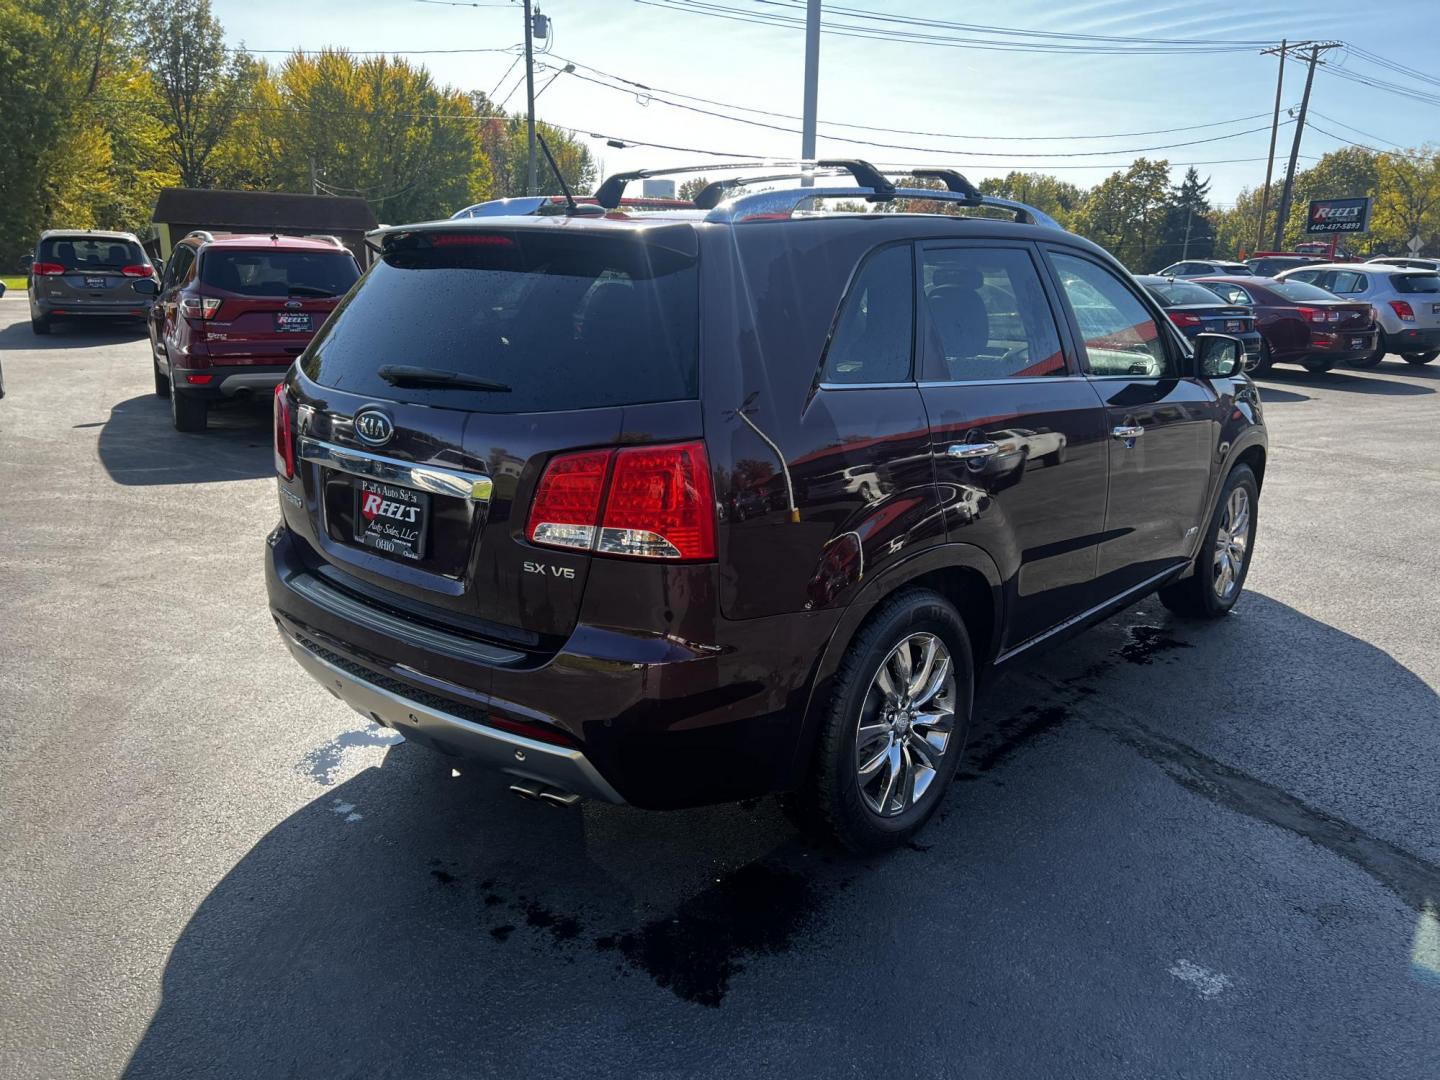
(1338, 216)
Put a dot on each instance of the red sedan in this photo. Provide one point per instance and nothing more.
(1299, 323)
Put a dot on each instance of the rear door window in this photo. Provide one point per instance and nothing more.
(278, 273)
(987, 316)
(90, 253)
(562, 320)
(1347, 281)
(874, 333)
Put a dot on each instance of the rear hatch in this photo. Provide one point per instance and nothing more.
(492, 354)
(90, 271)
(1422, 292)
(271, 301)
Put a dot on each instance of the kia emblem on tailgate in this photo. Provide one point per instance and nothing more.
(373, 427)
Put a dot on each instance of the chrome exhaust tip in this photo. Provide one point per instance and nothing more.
(552, 796)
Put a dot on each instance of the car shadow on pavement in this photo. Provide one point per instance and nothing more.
(1341, 379)
(70, 335)
(139, 445)
(410, 923)
(1269, 395)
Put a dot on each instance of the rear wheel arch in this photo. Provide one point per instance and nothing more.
(963, 574)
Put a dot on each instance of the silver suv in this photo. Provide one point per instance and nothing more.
(77, 273)
(1406, 302)
(1204, 268)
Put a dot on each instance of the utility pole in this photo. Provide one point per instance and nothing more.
(1185, 249)
(314, 185)
(812, 84)
(1274, 131)
(1289, 189)
(530, 99)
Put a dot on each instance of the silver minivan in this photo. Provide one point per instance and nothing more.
(84, 273)
(1406, 303)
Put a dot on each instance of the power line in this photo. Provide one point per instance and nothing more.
(649, 89)
(994, 44)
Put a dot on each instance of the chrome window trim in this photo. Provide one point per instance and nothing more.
(1013, 380)
(863, 385)
(432, 478)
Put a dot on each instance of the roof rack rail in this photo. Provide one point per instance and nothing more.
(203, 234)
(709, 196)
(610, 191)
(952, 180)
(768, 205)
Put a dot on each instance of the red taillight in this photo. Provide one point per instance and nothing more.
(1320, 315)
(1183, 319)
(196, 307)
(470, 240)
(136, 271)
(1403, 309)
(566, 509)
(658, 503)
(40, 269)
(284, 436)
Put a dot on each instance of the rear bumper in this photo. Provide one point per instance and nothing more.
(229, 382)
(1340, 343)
(1412, 340)
(644, 718)
(61, 309)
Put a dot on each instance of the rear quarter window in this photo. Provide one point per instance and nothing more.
(568, 320)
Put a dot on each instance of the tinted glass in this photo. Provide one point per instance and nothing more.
(278, 273)
(1301, 291)
(1231, 294)
(875, 332)
(1235, 269)
(90, 253)
(1170, 271)
(1173, 293)
(1416, 283)
(1347, 281)
(1119, 332)
(988, 315)
(565, 321)
(1305, 275)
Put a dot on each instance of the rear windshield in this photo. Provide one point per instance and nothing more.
(1235, 269)
(1416, 283)
(1298, 290)
(278, 273)
(569, 321)
(91, 253)
(1174, 293)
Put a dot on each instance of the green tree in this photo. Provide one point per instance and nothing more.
(1186, 230)
(1349, 172)
(1409, 200)
(506, 144)
(200, 85)
(1059, 199)
(1124, 212)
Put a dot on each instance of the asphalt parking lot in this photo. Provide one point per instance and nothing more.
(1176, 850)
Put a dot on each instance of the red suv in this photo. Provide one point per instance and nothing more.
(233, 313)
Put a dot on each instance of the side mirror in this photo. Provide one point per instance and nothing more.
(1219, 356)
(146, 287)
(25, 261)
(159, 265)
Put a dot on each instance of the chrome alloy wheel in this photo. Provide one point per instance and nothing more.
(905, 725)
(1232, 540)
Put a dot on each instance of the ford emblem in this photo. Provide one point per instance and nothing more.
(373, 426)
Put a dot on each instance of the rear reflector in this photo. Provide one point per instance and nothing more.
(658, 503)
(284, 435)
(198, 380)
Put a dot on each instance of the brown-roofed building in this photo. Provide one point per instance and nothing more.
(179, 211)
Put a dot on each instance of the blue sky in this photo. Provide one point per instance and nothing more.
(1016, 102)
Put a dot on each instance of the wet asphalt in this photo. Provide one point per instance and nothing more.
(1175, 849)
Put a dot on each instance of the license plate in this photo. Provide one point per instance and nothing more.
(95, 283)
(1435, 309)
(391, 520)
(292, 322)
(1232, 326)
(1357, 343)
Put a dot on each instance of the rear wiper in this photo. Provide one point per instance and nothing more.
(309, 290)
(405, 375)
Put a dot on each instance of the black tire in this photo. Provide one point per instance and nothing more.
(1266, 361)
(1318, 367)
(1418, 358)
(188, 412)
(1364, 363)
(1197, 596)
(39, 326)
(831, 804)
(162, 381)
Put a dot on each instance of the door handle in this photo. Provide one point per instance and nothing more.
(1128, 432)
(972, 451)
